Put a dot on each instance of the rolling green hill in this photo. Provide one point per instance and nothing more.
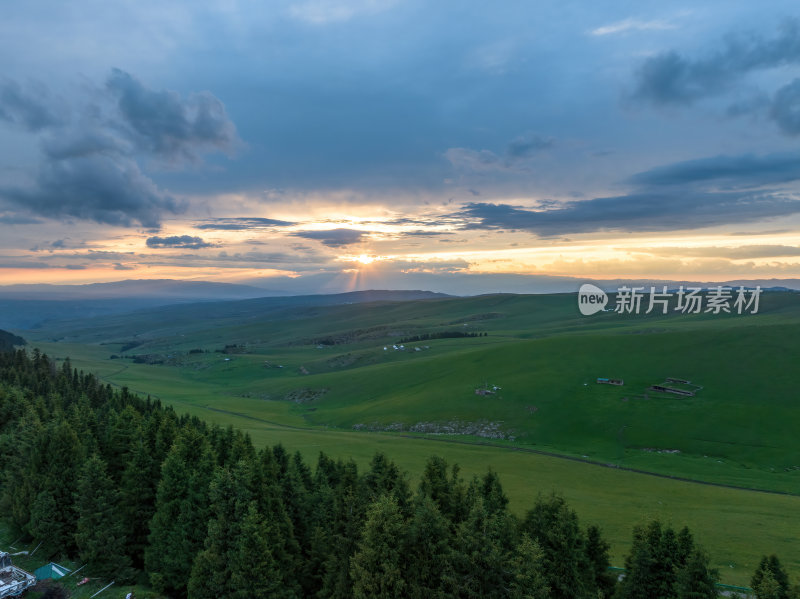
(336, 366)
(317, 377)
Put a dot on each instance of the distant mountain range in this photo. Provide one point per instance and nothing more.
(177, 291)
(26, 307)
(144, 288)
(29, 306)
(479, 284)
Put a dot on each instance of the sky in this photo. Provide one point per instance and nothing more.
(359, 141)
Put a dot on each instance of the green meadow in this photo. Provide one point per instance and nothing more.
(317, 378)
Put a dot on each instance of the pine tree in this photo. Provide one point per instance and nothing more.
(555, 528)
(137, 499)
(269, 495)
(254, 570)
(99, 533)
(685, 545)
(326, 478)
(235, 493)
(211, 574)
(529, 581)
(377, 568)
(490, 489)
(664, 545)
(19, 483)
(345, 532)
(768, 587)
(295, 500)
(165, 436)
(242, 447)
(484, 547)
(770, 568)
(124, 429)
(53, 464)
(384, 477)
(180, 523)
(597, 554)
(696, 580)
(657, 558)
(83, 420)
(640, 566)
(429, 552)
(45, 523)
(448, 492)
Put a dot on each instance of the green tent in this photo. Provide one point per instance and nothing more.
(51, 570)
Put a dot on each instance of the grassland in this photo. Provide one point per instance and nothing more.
(317, 378)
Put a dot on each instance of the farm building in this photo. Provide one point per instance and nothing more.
(684, 388)
(605, 381)
(663, 389)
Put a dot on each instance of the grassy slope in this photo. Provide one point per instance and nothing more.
(737, 527)
(739, 430)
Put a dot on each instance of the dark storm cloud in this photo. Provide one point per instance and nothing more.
(90, 167)
(645, 211)
(165, 124)
(84, 139)
(785, 109)
(242, 224)
(746, 171)
(672, 79)
(103, 188)
(333, 237)
(186, 242)
(691, 194)
(18, 219)
(30, 108)
(352, 105)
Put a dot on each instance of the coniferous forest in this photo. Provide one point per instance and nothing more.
(129, 487)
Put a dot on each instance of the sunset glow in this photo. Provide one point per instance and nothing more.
(351, 151)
